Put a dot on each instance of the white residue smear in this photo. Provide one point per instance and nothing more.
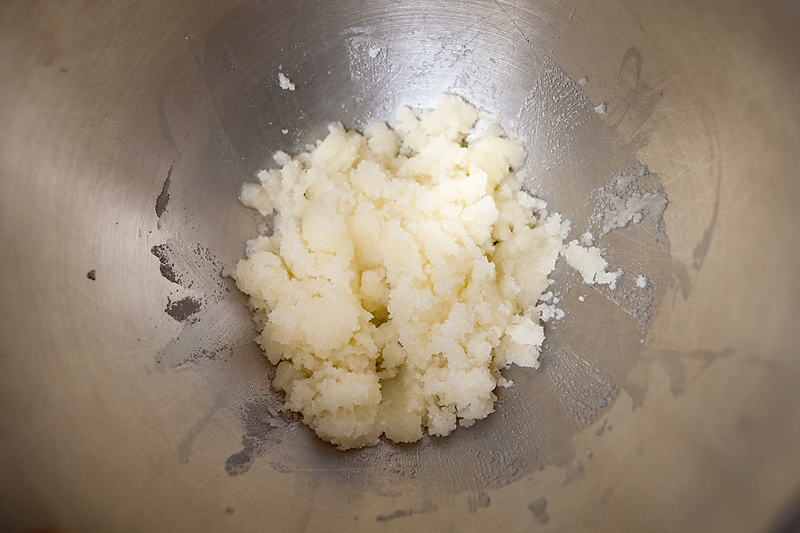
(628, 199)
(601, 109)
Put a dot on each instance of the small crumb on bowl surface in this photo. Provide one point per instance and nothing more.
(285, 82)
(590, 264)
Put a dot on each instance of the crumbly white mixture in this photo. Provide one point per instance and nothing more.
(590, 264)
(402, 275)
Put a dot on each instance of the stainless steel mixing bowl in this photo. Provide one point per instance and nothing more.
(133, 397)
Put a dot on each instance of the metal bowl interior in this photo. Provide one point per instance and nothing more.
(133, 396)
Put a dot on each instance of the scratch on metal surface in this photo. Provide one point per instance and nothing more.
(562, 29)
(516, 26)
(125, 20)
(79, 287)
(584, 389)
